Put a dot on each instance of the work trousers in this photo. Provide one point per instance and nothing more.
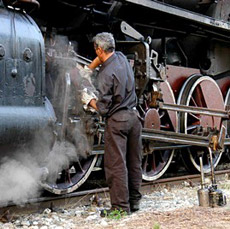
(122, 159)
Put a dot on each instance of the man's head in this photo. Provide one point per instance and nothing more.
(104, 45)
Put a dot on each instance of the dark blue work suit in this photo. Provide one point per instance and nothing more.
(122, 159)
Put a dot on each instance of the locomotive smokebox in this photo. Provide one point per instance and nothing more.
(23, 106)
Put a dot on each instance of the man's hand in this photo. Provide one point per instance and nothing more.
(93, 104)
(86, 97)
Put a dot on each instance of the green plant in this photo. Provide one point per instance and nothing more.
(156, 226)
(115, 214)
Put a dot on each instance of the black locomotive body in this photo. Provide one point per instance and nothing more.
(24, 106)
(180, 53)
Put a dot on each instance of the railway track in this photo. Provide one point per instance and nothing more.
(85, 197)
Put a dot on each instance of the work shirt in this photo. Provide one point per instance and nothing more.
(116, 85)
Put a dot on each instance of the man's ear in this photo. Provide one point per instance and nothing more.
(100, 50)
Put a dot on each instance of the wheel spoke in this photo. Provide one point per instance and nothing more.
(80, 166)
(194, 116)
(153, 161)
(145, 163)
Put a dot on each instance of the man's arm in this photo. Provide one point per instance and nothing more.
(95, 63)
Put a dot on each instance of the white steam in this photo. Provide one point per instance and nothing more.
(18, 179)
(22, 173)
(59, 159)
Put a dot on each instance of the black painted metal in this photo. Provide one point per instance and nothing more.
(23, 106)
(22, 67)
(193, 5)
(183, 14)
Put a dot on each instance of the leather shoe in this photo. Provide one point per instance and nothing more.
(134, 206)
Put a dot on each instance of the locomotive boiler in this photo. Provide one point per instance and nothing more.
(180, 54)
(25, 108)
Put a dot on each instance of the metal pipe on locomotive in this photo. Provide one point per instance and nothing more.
(180, 56)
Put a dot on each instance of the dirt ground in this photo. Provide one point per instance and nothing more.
(188, 218)
(188, 214)
(164, 208)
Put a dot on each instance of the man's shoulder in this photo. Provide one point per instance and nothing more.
(120, 54)
(106, 73)
(111, 68)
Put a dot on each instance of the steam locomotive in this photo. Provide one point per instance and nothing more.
(180, 54)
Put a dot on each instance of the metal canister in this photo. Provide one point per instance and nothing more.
(203, 197)
(216, 198)
(203, 193)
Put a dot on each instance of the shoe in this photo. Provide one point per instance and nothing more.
(105, 212)
(134, 206)
(113, 213)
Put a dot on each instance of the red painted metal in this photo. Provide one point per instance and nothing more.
(168, 97)
(214, 100)
(152, 119)
(177, 75)
(224, 85)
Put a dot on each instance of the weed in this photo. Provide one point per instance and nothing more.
(115, 214)
(156, 226)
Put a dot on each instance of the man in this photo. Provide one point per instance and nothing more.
(117, 102)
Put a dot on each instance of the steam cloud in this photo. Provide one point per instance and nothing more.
(22, 171)
(19, 179)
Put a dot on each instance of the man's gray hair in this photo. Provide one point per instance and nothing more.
(105, 41)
